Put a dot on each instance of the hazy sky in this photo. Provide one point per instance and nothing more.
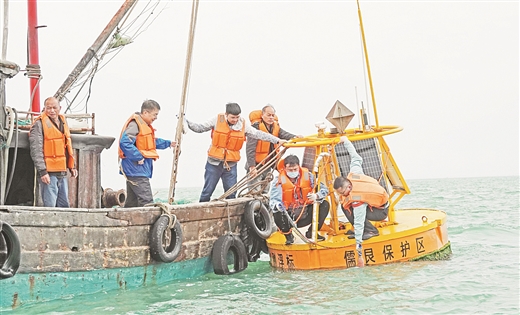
(447, 71)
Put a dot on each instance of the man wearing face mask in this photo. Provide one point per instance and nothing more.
(292, 193)
(362, 199)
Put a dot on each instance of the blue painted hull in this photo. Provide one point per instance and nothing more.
(24, 289)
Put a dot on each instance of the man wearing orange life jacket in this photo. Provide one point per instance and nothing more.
(362, 199)
(228, 133)
(257, 150)
(137, 151)
(52, 154)
(292, 194)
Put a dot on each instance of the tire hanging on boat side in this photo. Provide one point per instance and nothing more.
(158, 234)
(226, 245)
(257, 217)
(253, 243)
(12, 245)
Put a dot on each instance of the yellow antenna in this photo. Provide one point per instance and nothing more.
(368, 65)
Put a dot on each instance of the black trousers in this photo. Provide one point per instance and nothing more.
(306, 217)
(138, 192)
(373, 214)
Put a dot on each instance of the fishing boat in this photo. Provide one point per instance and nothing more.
(97, 244)
(406, 235)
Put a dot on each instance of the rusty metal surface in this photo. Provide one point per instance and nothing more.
(60, 239)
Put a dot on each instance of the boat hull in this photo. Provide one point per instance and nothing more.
(65, 252)
(25, 288)
(418, 234)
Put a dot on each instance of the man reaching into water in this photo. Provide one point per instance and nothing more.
(362, 199)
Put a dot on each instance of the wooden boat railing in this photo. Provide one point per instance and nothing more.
(82, 123)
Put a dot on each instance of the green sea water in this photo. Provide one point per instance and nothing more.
(482, 276)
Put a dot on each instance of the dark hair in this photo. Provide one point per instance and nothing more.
(150, 105)
(340, 182)
(291, 160)
(233, 109)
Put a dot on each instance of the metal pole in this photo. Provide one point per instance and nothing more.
(3, 151)
(33, 58)
(368, 66)
(180, 123)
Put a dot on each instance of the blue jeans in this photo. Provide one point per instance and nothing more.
(56, 193)
(211, 177)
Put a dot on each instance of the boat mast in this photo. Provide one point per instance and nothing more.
(33, 66)
(180, 123)
(92, 51)
(368, 65)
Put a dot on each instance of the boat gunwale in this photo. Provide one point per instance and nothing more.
(344, 243)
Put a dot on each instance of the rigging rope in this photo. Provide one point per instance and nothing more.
(33, 72)
(107, 49)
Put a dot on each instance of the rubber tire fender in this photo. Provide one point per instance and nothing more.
(12, 262)
(157, 251)
(221, 248)
(255, 214)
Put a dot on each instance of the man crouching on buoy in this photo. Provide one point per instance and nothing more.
(357, 191)
(292, 194)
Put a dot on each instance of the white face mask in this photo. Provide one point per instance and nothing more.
(292, 174)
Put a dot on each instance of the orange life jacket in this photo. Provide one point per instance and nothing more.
(295, 195)
(145, 139)
(262, 147)
(226, 143)
(56, 145)
(365, 189)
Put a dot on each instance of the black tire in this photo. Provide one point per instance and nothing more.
(258, 219)
(263, 246)
(12, 244)
(228, 247)
(253, 243)
(160, 249)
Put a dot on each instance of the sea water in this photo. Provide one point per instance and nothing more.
(482, 276)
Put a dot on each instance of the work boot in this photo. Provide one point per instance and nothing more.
(289, 239)
(368, 235)
(308, 234)
(365, 236)
(349, 232)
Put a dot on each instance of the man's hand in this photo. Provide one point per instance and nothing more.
(173, 144)
(360, 260)
(46, 179)
(281, 142)
(74, 172)
(343, 139)
(252, 171)
(312, 197)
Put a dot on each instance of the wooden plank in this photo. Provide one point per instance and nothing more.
(73, 184)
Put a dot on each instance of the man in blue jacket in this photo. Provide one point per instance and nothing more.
(137, 151)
